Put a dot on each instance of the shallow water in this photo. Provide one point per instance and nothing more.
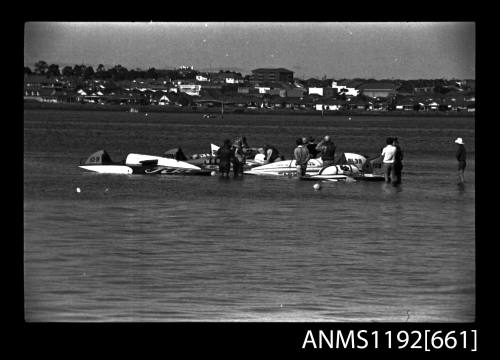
(174, 248)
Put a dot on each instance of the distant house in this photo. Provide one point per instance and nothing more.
(378, 90)
(41, 95)
(321, 91)
(345, 89)
(33, 81)
(424, 89)
(313, 82)
(243, 90)
(333, 104)
(164, 100)
(201, 78)
(226, 78)
(272, 74)
(359, 104)
(405, 106)
(212, 86)
(296, 92)
(263, 89)
(315, 90)
(432, 106)
(277, 91)
(190, 89)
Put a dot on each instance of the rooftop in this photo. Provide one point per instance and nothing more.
(272, 70)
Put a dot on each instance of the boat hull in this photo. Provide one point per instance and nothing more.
(108, 169)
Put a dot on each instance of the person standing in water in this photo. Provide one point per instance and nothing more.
(301, 155)
(398, 161)
(239, 160)
(225, 155)
(311, 146)
(388, 153)
(461, 156)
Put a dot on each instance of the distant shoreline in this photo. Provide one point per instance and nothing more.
(232, 111)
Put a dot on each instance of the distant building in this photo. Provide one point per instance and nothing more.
(315, 90)
(279, 92)
(268, 74)
(378, 90)
(424, 89)
(344, 88)
(263, 89)
(190, 89)
(226, 78)
(243, 90)
(321, 91)
(201, 78)
(297, 92)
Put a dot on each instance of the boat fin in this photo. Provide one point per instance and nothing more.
(100, 157)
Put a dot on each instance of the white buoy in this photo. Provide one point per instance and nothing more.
(350, 118)
(107, 189)
(213, 173)
(316, 186)
(78, 190)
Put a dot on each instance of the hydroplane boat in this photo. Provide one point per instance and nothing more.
(350, 167)
(172, 163)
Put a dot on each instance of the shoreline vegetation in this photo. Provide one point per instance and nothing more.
(216, 112)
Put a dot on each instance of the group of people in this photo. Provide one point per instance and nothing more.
(392, 161)
(307, 149)
(233, 153)
(237, 151)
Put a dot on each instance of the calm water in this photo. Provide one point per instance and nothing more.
(173, 248)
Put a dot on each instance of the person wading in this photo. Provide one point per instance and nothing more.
(398, 161)
(226, 156)
(311, 146)
(301, 155)
(388, 153)
(461, 156)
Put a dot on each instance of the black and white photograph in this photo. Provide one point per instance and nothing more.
(241, 172)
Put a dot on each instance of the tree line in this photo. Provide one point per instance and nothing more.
(116, 73)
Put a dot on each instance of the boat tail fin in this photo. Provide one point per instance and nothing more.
(100, 157)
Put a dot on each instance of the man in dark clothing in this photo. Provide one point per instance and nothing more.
(461, 156)
(239, 160)
(272, 154)
(398, 161)
(225, 155)
(326, 148)
(301, 155)
(311, 146)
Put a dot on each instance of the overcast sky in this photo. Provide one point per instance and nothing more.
(337, 50)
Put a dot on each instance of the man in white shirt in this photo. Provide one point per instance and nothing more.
(388, 153)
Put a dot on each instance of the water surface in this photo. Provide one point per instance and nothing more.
(173, 248)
